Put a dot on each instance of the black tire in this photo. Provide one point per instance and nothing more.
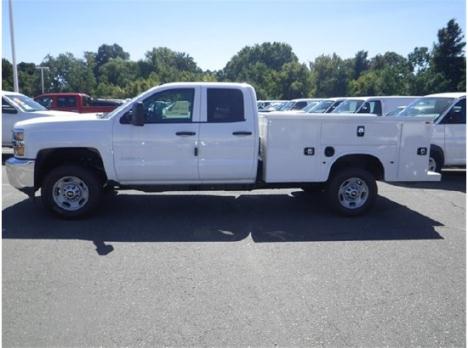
(87, 176)
(437, 158)
(343, 177)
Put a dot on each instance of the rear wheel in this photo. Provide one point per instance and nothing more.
(71, 191)
(352, 192)
(435, 162)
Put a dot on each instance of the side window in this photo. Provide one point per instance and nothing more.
(7, 108)
(45, 101)
(171, 106)
(225, 105)
(86, 101)
(66, 102)
(457, 114)
(372, 107)
(299, 105)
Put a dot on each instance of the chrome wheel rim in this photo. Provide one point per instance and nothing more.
(353, 193)
(70, 193)
(432, 164)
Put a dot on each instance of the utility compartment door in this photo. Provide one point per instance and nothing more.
(413, 160)
(228, 143)
(291, 148)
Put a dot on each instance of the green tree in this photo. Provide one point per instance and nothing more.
(68, 74)
(331, 76)
(7, 75)
(171, 66)
(360, 64)
(448, 55)
(107, 52)
(118, 72)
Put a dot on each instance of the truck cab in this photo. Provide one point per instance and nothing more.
(211, 137)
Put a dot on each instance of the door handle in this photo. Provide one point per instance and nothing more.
(241, 133)
(185, 134)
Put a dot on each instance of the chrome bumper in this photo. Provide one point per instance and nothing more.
(20, 174)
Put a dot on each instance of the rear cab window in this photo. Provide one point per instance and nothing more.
(66, 101)
(225, 105)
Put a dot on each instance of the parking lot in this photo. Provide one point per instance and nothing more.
(268, 267)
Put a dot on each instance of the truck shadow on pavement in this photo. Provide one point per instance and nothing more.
(298, 217)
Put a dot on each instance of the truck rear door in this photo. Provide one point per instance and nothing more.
(228, 141)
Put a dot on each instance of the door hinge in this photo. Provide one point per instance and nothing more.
(195, 151)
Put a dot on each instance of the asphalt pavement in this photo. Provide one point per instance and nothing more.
(261, 268)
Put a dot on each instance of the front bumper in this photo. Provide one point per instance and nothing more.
(20, 174)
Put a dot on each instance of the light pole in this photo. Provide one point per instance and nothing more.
(42, 68)
(12, 37)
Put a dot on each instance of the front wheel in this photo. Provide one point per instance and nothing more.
(71, 191)
(352, 192)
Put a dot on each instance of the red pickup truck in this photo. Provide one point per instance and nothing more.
(76, 102)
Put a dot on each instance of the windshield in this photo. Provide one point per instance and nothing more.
(320, 107)
(276, 106)
(348, 106)
(427, 106)
(287, 106)
(121, 107)
(25, 103)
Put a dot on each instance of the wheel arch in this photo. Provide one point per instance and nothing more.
(438, 150)
(48, 159)
(367, 162)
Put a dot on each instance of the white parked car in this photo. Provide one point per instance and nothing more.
(18, 107)
(299, 104)
(373, 105)
(325, 106)
(448, 144)
(214, 140)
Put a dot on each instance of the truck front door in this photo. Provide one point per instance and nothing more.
(164, 150)
(228, 144)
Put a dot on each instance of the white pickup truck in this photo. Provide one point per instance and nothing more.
(448, 144)
(209, 136)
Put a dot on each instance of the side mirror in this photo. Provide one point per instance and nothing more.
(138, 114)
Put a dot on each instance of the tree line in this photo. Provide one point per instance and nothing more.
(271, 67)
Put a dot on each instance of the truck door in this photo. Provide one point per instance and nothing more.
(228, 144)
(454, 124)
(164, 149)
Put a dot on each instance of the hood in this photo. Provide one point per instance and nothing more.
(59, 117)
(54, 113)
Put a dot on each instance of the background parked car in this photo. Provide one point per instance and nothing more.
(18, 107)
(378, 105)
(299, 104)
(448, 145)
(76, 102)
(324, 106)
(270, 105)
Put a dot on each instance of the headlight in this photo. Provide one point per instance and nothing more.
(18, 142)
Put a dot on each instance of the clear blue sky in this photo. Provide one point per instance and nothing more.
(213, 31)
